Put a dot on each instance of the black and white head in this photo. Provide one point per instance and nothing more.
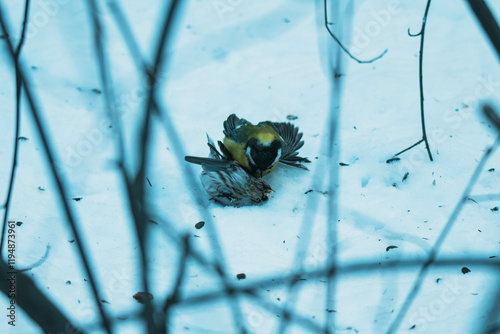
(263, 156)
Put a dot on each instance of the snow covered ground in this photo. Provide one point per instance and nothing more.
(263, 61)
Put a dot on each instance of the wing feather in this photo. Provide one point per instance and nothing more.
(292, 143)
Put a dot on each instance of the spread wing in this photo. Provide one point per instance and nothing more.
(209, 164)
(215, 162)
(230, 126)
(292, 143)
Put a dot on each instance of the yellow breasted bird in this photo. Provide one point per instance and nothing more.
(259, 148)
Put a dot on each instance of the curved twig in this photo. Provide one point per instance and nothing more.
(343, 47)
(414, 35)
(39, 262)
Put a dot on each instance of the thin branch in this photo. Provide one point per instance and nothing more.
(342, 46)
(421, 85)
(409, 148)
(60, 184)
(444, 233)
(421, 79)
(17, 125)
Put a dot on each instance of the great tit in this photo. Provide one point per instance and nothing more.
(259, 148)
(226, 182)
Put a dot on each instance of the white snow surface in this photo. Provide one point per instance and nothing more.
(262, 60)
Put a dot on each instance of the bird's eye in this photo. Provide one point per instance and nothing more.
(264, 198)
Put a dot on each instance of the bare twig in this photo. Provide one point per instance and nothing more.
(444, 233)
(60, 184)
(409, 148)
(342, 46)
(421, 84)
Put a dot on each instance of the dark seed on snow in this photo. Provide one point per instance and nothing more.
(241, 276)
(391, 160)
(390, 247)
(465, 270)
(142, 297)
(405, 176)
(199, 225)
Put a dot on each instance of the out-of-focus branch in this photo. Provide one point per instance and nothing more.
(343, 47)
(60, 184)
(171, 132)
(488, 22)
(364, 267)
(34, 302)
